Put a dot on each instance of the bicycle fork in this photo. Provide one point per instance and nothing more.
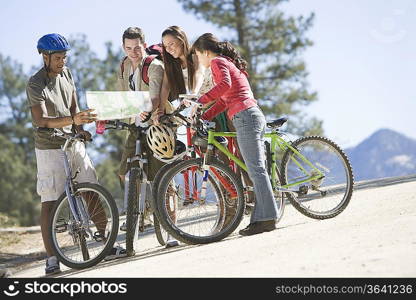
(143, 183)
(79, 214)
(205, 168)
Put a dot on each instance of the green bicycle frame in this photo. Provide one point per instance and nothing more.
(276, 142)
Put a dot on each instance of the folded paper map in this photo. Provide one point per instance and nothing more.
(118, 105)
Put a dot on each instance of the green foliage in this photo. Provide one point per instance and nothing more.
(107, 172)
(17, 184)
(8, 221)
(272, 44)
(17, 160)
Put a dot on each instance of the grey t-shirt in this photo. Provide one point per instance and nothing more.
(56, 94)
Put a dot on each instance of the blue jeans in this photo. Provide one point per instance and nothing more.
(250, 125)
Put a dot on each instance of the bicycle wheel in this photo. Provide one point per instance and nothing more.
(132, 210)
(189, 215)
(326, 196)
(161, 234)
(81, 245)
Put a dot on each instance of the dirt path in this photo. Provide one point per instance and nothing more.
(374, 237)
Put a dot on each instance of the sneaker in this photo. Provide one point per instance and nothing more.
(52, 265)
(171, 243)
(258, 227)
(116, 252)
(123, 227)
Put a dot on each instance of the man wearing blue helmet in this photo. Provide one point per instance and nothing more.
(52, 98)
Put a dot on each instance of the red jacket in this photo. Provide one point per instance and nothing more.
(231, 91)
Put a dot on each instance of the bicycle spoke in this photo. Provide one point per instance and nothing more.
(200, 213)
(82, 244)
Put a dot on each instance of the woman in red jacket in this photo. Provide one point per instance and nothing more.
(233, 93)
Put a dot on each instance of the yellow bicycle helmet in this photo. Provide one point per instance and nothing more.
(161, 140)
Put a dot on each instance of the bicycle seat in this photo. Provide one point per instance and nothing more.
(277, 123)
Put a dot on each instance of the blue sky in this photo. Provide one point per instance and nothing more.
(362, 64)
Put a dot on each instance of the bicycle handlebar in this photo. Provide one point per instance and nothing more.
(192, 98)
(67, 136)
(188, 96)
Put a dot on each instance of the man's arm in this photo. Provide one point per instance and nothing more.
(156, 74)
(164, 93)
(41, 119)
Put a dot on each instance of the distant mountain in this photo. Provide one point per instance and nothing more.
(385, 153)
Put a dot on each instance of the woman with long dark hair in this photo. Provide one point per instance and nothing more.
(183, 73)
(232, 93)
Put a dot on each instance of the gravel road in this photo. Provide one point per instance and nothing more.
(374, 237)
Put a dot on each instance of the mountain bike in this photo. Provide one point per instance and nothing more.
(139, 205)
(312, 172)
(84, 223)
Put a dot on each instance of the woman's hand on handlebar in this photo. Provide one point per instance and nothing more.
(156, 116)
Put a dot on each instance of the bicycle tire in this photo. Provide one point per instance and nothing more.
(329, 158)
(132, 210)
(65, 246)
(161, 233)
(215, 211)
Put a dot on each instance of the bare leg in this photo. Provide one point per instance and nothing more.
(45, 215)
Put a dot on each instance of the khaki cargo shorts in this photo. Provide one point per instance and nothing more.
(51, 173)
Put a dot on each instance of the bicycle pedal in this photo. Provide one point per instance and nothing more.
(171, 243)
(98, 237)
(62, 227)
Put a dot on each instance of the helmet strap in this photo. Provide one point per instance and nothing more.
(48, 66)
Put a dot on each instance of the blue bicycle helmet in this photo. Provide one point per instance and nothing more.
(51, 43)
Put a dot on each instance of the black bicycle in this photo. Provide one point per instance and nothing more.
(139, 203)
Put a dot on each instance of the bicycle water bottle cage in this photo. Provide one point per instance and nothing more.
(277, 123)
